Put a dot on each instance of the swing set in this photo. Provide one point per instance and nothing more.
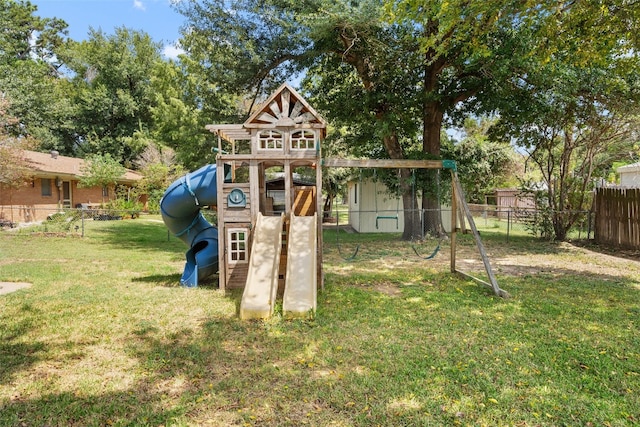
(395, 217)
(459, 212)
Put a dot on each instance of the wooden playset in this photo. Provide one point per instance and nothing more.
(267, 186)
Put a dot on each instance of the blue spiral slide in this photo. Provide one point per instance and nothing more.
(180, 207)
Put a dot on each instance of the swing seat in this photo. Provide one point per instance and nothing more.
(431, 256)
(379, 217)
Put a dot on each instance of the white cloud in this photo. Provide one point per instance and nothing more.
(137, 4)
(172, 51)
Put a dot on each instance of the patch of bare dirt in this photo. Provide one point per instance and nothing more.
(8, 287)
(566, 258)
(389, 289)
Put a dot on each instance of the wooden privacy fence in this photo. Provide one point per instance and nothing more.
(617, 212)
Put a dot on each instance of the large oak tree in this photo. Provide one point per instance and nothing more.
(411, 69)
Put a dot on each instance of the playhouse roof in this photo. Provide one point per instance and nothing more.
(284, 108)
(230, 132)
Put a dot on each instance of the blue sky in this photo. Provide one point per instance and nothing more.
(155, 17)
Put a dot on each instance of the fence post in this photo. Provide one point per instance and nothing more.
(82, 221)
(580, 229)
(508, 222)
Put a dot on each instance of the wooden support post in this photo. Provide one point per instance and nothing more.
(288, 189)
(463, 223)
(256, 183)
(454, 224)
(222, 270)
(459, 193)
(319, 218)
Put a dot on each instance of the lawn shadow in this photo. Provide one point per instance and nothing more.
(235, 295)
(173, 281)
(165, 280)
(15, 354)
(18, 354)
(210, 358)
(136, 406)
(630, 254)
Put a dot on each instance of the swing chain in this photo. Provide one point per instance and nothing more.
(355, 253)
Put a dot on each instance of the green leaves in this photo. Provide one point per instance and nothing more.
(26, 36)
(101, 170)
(114, 95)
(14, 168)
(483, 164)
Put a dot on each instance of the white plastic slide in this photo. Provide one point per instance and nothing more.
(300, 290)
(260, 291)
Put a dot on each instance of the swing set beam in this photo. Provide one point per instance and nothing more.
(457, 199)
(384, 163)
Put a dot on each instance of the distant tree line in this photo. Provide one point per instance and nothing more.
(551, 87)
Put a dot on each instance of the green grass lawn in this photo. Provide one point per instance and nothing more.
(106, 337)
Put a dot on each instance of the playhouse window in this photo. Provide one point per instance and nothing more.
(303, 140)
(238, 245)
(271, 140)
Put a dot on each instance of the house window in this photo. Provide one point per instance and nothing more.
(237, 241)
(303, 140)
(45, 187)
(105, 191)
(270, 140)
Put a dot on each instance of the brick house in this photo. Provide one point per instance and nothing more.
(53, 187)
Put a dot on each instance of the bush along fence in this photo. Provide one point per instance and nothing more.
(617, 213)
(62, 222)
(536, 222)
(505, 222)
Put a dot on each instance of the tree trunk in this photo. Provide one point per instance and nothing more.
(328, 205)
(411, 229)
(431, 145)
(412, 226)
(391, 144)
(560, 227)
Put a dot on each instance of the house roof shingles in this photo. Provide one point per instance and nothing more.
(52, 164)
